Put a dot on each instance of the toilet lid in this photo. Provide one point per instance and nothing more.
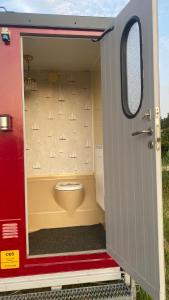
(68, 186)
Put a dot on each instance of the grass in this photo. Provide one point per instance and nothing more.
(166, 226)
(141, 295)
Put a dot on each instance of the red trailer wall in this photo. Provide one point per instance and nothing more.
(12, 203)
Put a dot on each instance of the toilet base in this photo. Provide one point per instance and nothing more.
(69, 200)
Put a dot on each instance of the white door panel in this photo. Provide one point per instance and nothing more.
(132, 170)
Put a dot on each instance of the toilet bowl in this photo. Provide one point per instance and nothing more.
(69, 195)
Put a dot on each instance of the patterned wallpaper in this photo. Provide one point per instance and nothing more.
(58, 124)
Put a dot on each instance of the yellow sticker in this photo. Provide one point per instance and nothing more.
(9, 259)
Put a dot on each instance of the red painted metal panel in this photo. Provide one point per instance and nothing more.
(12, 207)
(41, 267)
(12, 203)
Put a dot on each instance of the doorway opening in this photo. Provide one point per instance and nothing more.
(63, 146)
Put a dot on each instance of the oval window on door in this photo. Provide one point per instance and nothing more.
(131, 68)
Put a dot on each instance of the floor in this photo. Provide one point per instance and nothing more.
(69, 239)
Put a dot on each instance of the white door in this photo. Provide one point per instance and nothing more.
(132, 158)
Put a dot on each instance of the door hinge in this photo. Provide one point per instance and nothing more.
(158, 128)
(111, 28)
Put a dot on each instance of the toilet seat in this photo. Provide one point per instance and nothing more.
(68, 186)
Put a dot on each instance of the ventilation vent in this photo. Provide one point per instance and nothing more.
(9, 231)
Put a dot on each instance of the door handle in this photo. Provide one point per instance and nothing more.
(148, 132)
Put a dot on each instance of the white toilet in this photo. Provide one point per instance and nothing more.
(69, 195)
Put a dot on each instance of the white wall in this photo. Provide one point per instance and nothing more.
(98, 137)
(97, 107)
(58, 121)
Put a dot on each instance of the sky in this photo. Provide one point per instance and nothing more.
(105, 8)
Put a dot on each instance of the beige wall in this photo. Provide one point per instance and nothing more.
(58, 122)
(97, 107)
(44, 212)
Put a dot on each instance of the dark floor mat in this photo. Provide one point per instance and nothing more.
(69, 239)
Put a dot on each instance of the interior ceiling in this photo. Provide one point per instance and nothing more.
(62, 54)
